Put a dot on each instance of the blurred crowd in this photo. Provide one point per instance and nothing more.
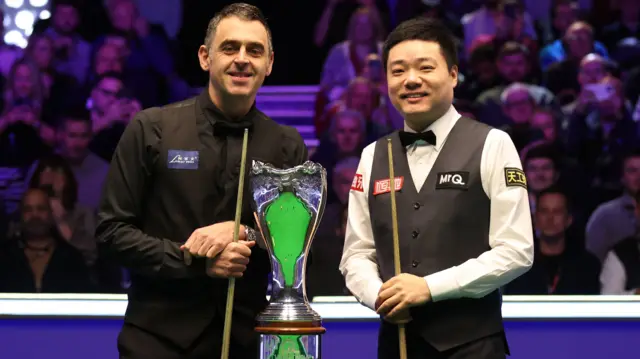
(561, 77)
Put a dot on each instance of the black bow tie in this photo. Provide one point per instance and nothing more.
(409, 138)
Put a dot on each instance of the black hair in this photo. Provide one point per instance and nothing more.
(423, 29)
(243, 11)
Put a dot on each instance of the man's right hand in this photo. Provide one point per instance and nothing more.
(208, 241)
(232, 262)
(401, 317)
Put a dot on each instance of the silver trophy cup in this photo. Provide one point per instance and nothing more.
(288, 205)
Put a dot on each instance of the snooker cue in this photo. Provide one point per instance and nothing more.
(226, 335)
(396, 243)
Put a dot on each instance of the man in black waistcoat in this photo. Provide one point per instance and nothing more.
(462, 207)
(169, 202)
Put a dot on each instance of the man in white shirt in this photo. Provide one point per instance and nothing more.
(464, 224)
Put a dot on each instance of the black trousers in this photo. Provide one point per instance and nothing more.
(491, 347)
(137, 343)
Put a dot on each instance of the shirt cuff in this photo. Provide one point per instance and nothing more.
(371, 295)
(443, 285)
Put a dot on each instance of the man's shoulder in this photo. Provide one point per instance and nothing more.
(287, 132)
(611, 207)
(170, 112)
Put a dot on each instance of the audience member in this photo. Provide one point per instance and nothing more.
(561, 264)
(38, 260)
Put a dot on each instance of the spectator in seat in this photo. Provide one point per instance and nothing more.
(346, 60)
(601, 138)
(74, 136)
(513, 63)
(111, 108)
(72, 54)
(38, 260)
(561, 265)
(518, 106)
(491, 19)
(346, 137)
(59, 91)
(575, 44)
(621, 266)
(616, 220)
(627, 24)
(148, 62)
(74, 223)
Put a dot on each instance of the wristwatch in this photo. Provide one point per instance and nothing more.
(249, 234)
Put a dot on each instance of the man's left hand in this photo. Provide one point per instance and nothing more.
(401, 293)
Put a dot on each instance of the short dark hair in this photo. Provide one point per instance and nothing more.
(542, 150)
(424, 29)
(554, 189)
(510, 48)
(74, 113)
(243, 11)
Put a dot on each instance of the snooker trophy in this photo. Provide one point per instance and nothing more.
(288, 205)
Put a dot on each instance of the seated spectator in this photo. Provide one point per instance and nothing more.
(545, 121)
(24, 100)
(74, 223)
(58, 89)
(518, 106)
(571, 83)
(148, 62)
(38, 260)
(562, 266)
(481, 75)
(346, 59)
(615, 220)
(600, 139)
(492, 19)
(74, 135)
(72, 52)
(621, 266)
(563, 14)
(513, 65)
(346, 137)
(111, 107)
(576, 43)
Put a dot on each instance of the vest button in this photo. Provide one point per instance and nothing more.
(416, 205)
(414, 234)
(415, 264)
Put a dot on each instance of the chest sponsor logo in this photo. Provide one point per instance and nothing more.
(383, 186)
(453, 180)
(356, 185)
(183, 160)
(514, 177)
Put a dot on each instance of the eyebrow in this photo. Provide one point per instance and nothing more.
(238, 42)
(419, 59)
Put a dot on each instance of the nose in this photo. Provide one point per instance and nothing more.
(241, 59)
(413, 81)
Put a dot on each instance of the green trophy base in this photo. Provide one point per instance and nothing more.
(290, 343)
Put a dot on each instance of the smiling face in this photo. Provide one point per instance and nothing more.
(420, 81)
(238, 58)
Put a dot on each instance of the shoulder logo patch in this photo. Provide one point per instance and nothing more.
(514, 177)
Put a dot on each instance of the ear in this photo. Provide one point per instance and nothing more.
(270, 65)
(454, 75)
(203, 57)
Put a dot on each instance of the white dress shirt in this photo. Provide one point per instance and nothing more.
(613, 277)
(510, 231)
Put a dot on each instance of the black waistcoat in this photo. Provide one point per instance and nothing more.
(439, 227)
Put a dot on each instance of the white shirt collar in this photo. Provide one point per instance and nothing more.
(440, 127)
